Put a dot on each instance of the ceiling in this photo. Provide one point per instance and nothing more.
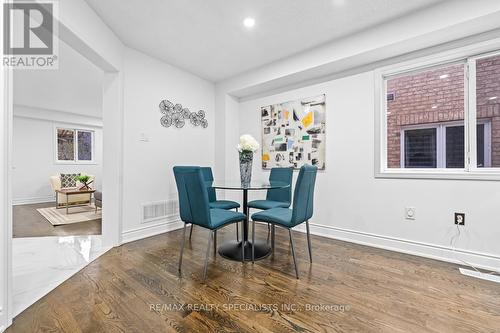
(76, 87)
(207, 38)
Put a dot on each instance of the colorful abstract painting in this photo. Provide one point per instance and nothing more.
(293, 133)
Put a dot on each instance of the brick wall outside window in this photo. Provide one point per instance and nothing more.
(425, 98)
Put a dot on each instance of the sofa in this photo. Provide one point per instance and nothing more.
(55, 183)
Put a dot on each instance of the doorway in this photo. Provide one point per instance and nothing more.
(104, 58)
(57, 145)
(57, 142)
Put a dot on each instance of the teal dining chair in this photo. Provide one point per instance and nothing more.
(302, 210)
(278, 197)
(213, 202)
(212, 196)
(194, 208)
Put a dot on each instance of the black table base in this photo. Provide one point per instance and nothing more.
(232, 250)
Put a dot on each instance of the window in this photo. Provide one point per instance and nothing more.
(74, 145)
(425, 99)
(442, 145)
(441, 116)
(420, 148)
(84, 146)
(487, 106)
(454, 143)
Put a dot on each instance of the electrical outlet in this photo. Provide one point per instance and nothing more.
(460, 218)
(410, 213)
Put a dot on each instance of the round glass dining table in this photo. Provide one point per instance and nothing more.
(232, 249)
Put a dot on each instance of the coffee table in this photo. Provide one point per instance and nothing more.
(73, 191)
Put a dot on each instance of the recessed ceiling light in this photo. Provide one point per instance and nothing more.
(249, 22)
(434, 106)
(444, 76)
(492, 98)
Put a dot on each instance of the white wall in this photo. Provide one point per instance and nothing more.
(34, 151)
(351, 204)
(148, 174)
(81, 28)
(75, 86)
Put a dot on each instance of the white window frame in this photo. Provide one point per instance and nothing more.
(75, 160)
(441, 128)
(466, 55)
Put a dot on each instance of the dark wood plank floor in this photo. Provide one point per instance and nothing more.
(353, 288)
(28, 222)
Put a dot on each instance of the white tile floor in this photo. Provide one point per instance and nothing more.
(42, 263)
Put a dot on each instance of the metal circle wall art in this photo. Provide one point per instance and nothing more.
(176, 115)
(166, 121)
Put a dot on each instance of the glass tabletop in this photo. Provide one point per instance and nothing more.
(254, 185)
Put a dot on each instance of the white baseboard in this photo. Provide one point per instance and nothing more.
(443, 253)
(157, 228)
(33, 200)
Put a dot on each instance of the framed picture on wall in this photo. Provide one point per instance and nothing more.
(293, 133)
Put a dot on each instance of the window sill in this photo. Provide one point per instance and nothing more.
(493, 175)
(75, 163)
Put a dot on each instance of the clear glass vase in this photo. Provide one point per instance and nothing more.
(246, 159)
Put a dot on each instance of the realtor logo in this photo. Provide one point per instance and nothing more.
(29, 35)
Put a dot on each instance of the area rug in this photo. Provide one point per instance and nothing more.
(76, 215)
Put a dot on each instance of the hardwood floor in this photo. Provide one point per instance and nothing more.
(360, 289)
(28, 222)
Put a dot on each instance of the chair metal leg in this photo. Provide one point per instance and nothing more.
(253, 242)
(273, 235)
(242, 243)
(215, 243)
(182, 246)
(191, 231)
(293, 254)
(208, 255)
(237, 232)
(268, 232)
(309, 242)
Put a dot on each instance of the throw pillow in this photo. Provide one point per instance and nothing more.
(68, 179)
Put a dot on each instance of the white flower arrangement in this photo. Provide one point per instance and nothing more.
(248, 144)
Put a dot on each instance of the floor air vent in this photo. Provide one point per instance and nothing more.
(158, 210)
